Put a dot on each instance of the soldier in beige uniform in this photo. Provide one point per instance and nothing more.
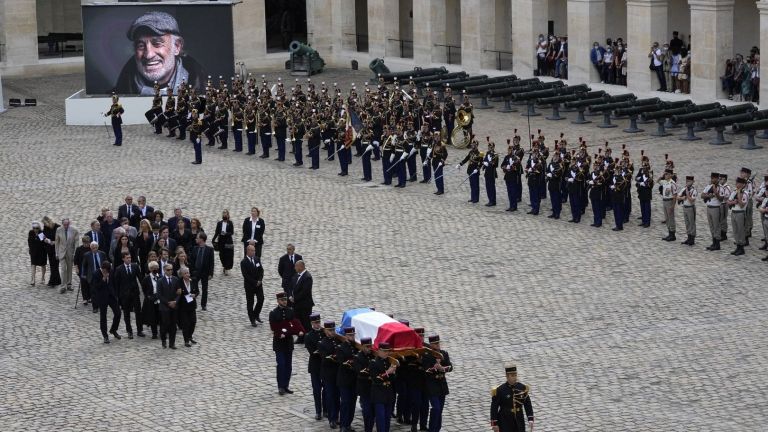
(687, 197)
(713, 199)
(762, 203)
(668, 193)
(725, 192)
(749, 189)
(739, 201)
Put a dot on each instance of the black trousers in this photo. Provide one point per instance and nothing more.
(202, 284)
(302, 313)
(128, 305)
(168, 320)
(188, 319)
(85, 289)
(112, 304)
(250, 292)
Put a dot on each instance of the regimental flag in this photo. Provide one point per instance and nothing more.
(380, 328)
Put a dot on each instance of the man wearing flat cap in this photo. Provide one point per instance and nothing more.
(508, 402)
(158, 57)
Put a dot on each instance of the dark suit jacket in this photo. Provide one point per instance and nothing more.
(106, 231)
(89, 268)
(144, 246)
(167, 292)
(252, 274)
(174, 220)
(224, 237)
(102, 292)
(286, 269)
(183, 303)
(258, 235)
(206, 269)
(148, 210)
(302, 291)
(122, 212)
(127, 285)
(100, 239)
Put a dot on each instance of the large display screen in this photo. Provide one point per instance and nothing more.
(130, 46)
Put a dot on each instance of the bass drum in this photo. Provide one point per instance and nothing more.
(460, 138)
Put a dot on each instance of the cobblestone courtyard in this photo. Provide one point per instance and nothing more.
(613, 331)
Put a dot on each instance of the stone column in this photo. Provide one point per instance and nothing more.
(20, 29)
(383, 24)
(586, 24)
(646, 23)
(529, 19)
(478, 32)
(763, 6)
(712, 28)
(2, 107)
(248, 26)
(428, 29)
(320, 24)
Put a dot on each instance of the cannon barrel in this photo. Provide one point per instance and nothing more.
(426, 78)
(476, 82)
(728, 120)
(664, 113)
(739, 109)
(499, 85)
(750, 125)
(551, 92)
(639, 109)
(706, 107)
(570, 97)
(587, 102)
(416, 72)
(377, 66)
(610, 106)
(697, 116)
(299, 48)
(480, 79)
(509, 91)
(440, 82)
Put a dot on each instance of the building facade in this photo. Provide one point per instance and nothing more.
(471, 35)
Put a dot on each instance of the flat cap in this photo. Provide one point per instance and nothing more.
(156, 22)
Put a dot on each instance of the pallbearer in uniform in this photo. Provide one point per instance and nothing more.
(435, 385)
(329, 369)
(511, 404)
(346, 379)
(490, 163)
(363, 385)
(713, 199)
(473, 159)
(668, 195)
(725, 192)
(739, 201)
(311, 343)
(115, 114)
(439, 157)
(382, 369)
(284, 326)
(687, 197)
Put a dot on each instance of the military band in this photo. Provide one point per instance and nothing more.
(115, 113)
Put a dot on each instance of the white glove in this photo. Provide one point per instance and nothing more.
(485, 164)
(590, 182)
(376, 143)
(392, 158)
(429, 152)
(405, 155)
(549, 175)
(570, 180)
(425, 163)
(474, 172)
(369, 148)
(613, 187)
(458, 166)
(325, 141)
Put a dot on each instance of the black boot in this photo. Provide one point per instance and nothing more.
(764, 246)
(712, 246)
(670, 237)
(687, 241)
(717, 245)
(739, 250)
(723, 235)
(691, 240)
(746, 241)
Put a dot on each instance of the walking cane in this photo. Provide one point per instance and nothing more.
(79, 283)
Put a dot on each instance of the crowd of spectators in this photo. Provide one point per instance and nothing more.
(552, 56)
(742, 77)
(610, 61)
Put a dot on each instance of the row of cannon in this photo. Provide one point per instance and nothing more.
(556, 95)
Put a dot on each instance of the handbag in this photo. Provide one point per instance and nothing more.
(650, 67)
(215, 245)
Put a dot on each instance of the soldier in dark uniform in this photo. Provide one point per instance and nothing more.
(154, 115)
(169, 114)
(313, 142)
(399, 159)
(575, 179)
(280, 129)
(328, 371)
(490, 163)
(182, 112)
(644, 184)
(311, 343)
(439, 157)
(382, 370)
(508, 402)
(435, 385)
(366, 140)
(554, 177)
(474, 160)
(237, 126)
(533, 171)
(196, 129)
(115, 113)
(387, 150)
(250, 129)
(284, 326)
(412, 148)
(413, 376)
(346, 379)
(209, 123)
(512, 177)
(597, 184)
(222, 124)
(265, 131)
(363, 384)
(424, 142)
(617, 187)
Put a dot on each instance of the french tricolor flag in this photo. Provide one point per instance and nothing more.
(380, 328)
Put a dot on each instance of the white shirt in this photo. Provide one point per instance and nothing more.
(223, 226)
(713, 201)
(743, 203)
(669, 189)
(657, 57)
(688, 192)
(254, 225)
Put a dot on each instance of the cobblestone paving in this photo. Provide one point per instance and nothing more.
(613, 331)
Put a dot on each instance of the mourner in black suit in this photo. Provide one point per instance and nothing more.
(253, 231)
(80, 252)
(253, 273)
(97, 236)
(145, 211)
(177, 216)
(202, 266)
(127, 278)
(105, 295)
(183, 237)
(90, 268)
(150, 309)
(223, 241)
(286, 268)
(301, 290)
(168, 294)
(131, 211)
(187, 306)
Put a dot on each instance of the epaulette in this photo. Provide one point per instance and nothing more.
(493, 392)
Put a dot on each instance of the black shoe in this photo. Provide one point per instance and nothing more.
(187, 344)
(238, 151)
(413, 179)
(763, 247)
(572, 221)
(723, 236)
(154, 336)
(253, 324)
(287, 390)
(140, 334)
(318, 416)
(423, 181)
(203, 308)
(332, 425)
(194, 342)
(130, 335)
(164, 345)
(263, 156)
(251, 153)
(172, 347)
(117, 336)
(439, 193)
(95, 310)
(280, 391)
(258, 319)
(106, 340)
(746, 241)
(196, 163)
(617, 229)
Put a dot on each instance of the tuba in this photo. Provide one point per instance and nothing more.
(463, 118)
(460, 137)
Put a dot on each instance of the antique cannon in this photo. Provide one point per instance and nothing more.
(745, 122)
(582, 104)
(415, 72)
(531, 97)
(692, 118)
(378, 67)
(304, 59)
(485, 90)
(556, 101)
(426, 78)
(461, 85)
(438, 84)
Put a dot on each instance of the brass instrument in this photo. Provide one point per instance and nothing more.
(460, 137)
(463, 117)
